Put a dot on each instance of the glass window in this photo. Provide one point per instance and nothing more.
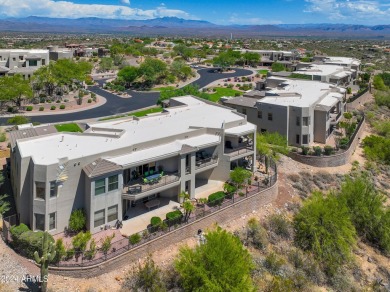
(112, 213)
(40, 222)
(260, 114)
(113, 183)
(305, 139)
(40, 190)
(33, 63)
(244, 111)
(270, 117)
(52, 221)
(53, 189)
(298, 121)
(99, 218)
(100, 186)
(306, 121)
(298, 140)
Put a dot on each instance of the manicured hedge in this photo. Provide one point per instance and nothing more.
(216, 198)
(155, 221)
(16, 231)
(29, 242)
(174, 217)
(135, 238)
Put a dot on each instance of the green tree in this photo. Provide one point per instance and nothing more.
(224, 60)
(186, 90)
(180, 70)
(379, 83)
(251, 58)
(18, 120)
(15, 88)
(221, 264)
(271, 144)
(183, 51)
(377, 148)
(153, 70)
(323, 227)
(77, 220)
(4, 205)
(367, 211)
(106, 64)
(239, 176)
(277, 67)
(128, 74)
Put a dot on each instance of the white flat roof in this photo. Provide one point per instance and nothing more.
(164, 150)
(322, 70)
(300, 93)
(175, 121)
(32, 51)
(240, 130)
(342, 60)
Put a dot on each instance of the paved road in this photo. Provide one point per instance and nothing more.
(117, 105)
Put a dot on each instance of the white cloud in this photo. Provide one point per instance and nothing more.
(67, 9)
(238, 19)
(353, 10)
(125, 2)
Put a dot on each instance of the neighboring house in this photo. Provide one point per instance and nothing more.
(268, 57)
(57, 53)
(24, 62)
(107, 169)
(338, 75)
(301, 110)
(350, 63)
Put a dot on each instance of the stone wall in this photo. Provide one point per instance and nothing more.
(332, 160)
(221, 216)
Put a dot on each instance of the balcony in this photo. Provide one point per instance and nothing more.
(138, 187)
(205, 164)
(334, 118)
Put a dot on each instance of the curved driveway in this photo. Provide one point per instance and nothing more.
(117, 105)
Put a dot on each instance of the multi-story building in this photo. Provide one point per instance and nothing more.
(116, 164)
(23, 62)
(350, 63)
(304, 111)
(268, 57)
(338, 75)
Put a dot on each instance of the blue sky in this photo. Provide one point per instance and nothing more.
(217, 11)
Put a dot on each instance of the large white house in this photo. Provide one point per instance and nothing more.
(117, 164)
(24, 62)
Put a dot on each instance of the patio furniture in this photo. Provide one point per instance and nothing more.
(154, 178)
(145, 181)
(152, 204)
(146, 174)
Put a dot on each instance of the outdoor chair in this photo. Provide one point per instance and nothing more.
(151, 172)
(161, 174)
(146, 181)
(146, 173)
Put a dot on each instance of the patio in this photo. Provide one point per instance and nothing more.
(139, 216)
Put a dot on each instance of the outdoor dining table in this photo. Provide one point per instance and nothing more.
(152, 177)
(152, 203)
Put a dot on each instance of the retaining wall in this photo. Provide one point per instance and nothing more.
(221, 216)
(332, 160)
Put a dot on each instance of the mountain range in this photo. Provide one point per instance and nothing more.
(181, 27)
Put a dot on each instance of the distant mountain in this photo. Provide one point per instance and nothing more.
(183, 27)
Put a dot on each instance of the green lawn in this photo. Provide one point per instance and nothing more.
(164, 88)
(137, 114)
(148, 111)
(221, 91)
(71, 127)
(262, 72)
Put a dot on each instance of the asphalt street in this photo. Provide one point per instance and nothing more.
(117, 105)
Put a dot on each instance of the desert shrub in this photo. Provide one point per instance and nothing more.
(60, 250)
(41, 108)
(343, 143)
(155, 221)
(377, 148)
(305, 150)
(280, 225)
(91, 252)
(174, 217)
(80, 241)
(273, 263)
(216, 198)
(29, 108)
(317, 150)
(53, 107)
(257, 235)
(135, 238)
(328, 150)
(89, 100)
(31, 241)
(77, 220)
(18, 120)
(62, 106)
